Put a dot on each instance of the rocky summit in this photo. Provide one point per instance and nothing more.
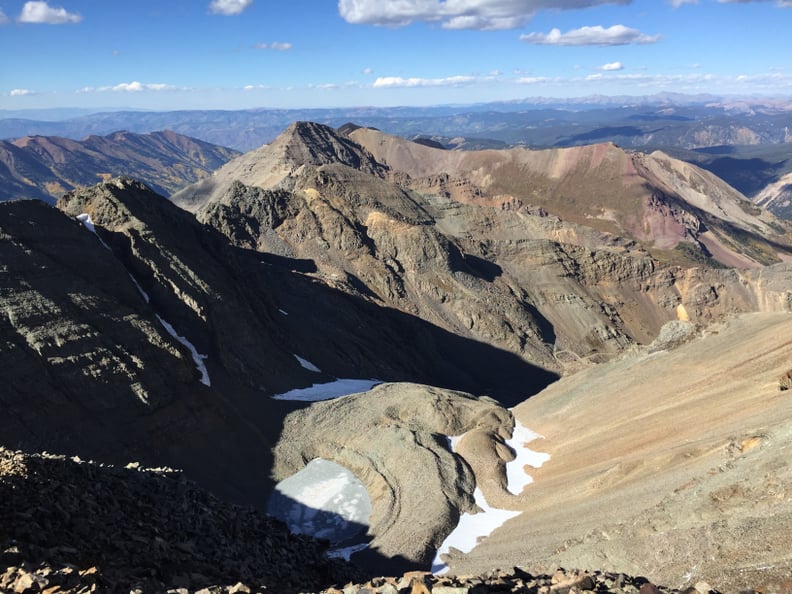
(630, 308)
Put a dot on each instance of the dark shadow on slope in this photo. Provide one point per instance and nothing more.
(602, 134)
(221, 435)
(356, 549)
(484, 269)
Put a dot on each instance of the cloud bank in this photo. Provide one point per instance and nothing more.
(456, 14)
(598, 35)
(399, 82)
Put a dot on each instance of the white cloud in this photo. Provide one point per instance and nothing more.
(612, 66)
(275, 45)
(678, 3)
(21, 92)
(368, 71)
(133, 87)
(391, 82)
(229, 7)
(598, 35)
(3, 18)
(535, 80)
(41, 12)
(456, 14)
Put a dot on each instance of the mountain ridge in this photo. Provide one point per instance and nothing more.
(46, 167)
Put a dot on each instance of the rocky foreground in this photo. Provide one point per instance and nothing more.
(73, 526)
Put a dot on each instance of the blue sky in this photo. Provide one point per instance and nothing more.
(231, 54)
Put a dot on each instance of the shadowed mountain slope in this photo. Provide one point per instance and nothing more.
(85, 337)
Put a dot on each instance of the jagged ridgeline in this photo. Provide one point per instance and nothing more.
(329, 255)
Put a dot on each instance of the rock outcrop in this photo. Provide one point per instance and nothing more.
(394, 439)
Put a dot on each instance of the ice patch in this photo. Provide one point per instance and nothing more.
(305, 364)
(85, 219)
(324, 500)
(474, 527)
(329, 390)
(197, 357)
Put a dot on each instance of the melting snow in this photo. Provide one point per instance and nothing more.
(516, 477)
(85, 219)
(197, 357)
(473, 527)
(307, 364)
(329, 390)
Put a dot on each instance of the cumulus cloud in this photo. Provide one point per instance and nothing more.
(615, 35)
(229, 7)
(368, 71)
(384, 82)
(21, 92)
(612, 66)
(678, 3)
(278, 46)
(456, 14)
(3, 18)
(43, 13)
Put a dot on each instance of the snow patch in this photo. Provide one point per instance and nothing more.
(328, 390)
(197, 357)
(347, 552)
(139, 288)
(283, 312)
(516, 477)
(305, 364)
(474, 527)
(85, 219)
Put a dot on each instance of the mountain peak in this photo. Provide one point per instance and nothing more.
(310, 143)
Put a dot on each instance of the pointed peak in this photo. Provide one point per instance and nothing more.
(310, 143)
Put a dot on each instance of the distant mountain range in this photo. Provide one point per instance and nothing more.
(46, 167)
(746, 141)
(660, 120)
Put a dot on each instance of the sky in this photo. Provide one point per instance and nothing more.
(239, 54)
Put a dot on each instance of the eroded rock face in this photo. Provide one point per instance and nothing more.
(393, 438)
(561, 257)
